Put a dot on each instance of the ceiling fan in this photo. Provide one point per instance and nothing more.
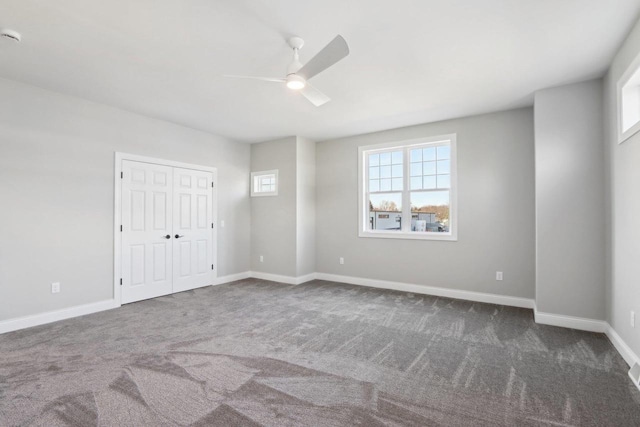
(298, 75)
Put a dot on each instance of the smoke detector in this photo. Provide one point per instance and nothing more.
(8, 34)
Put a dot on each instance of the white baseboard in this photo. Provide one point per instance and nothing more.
(231, 278)
(54, 316)
(540, 317)
(306, 278)
(572, 322)
(290, 280)
(625, 351)
(430, 290)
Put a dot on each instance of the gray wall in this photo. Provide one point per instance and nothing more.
(570, 213)
(56, 187)
(283, 226)
(273, 218)
(623, 168)
(306, 206)
(495, 202)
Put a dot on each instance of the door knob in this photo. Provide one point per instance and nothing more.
(168, 236)
(177, 236)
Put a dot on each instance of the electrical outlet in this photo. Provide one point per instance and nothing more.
(55, 287)
(498, 275)
(261, 258)
(633, 319)
(341, 261)
(222, 224)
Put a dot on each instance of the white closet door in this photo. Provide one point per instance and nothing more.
(192, 229)
(147, 243)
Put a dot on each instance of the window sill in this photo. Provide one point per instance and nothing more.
(447, 237)
(264, 194)
(623, 136)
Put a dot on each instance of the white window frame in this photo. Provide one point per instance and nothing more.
(624, 102)
(406, 233)
(257, 175)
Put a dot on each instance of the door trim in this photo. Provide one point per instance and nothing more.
(117, 212)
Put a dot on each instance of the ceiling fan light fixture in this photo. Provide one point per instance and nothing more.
(298, 74)
(295, 82)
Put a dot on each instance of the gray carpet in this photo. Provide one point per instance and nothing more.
(256, 353)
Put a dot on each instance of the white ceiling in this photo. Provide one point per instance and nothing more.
(411, 61)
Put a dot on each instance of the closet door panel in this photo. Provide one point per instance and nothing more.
(192, 225)
(147, 253)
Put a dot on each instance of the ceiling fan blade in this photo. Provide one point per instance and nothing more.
(264, 79)
(314, 96)
(332, 53)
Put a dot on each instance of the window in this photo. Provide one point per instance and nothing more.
(408, 189)
(264, 183)
(629, 102)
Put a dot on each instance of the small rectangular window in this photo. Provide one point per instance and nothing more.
(407, 190)
(264, 183)
(629, 102)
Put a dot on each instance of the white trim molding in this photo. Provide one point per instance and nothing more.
(571, 322)
(289, 280)
(580, 323)
(56, 315)
(430, 290)
(231, 278)
(625, 351)
(306, 278)
(24, 322)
